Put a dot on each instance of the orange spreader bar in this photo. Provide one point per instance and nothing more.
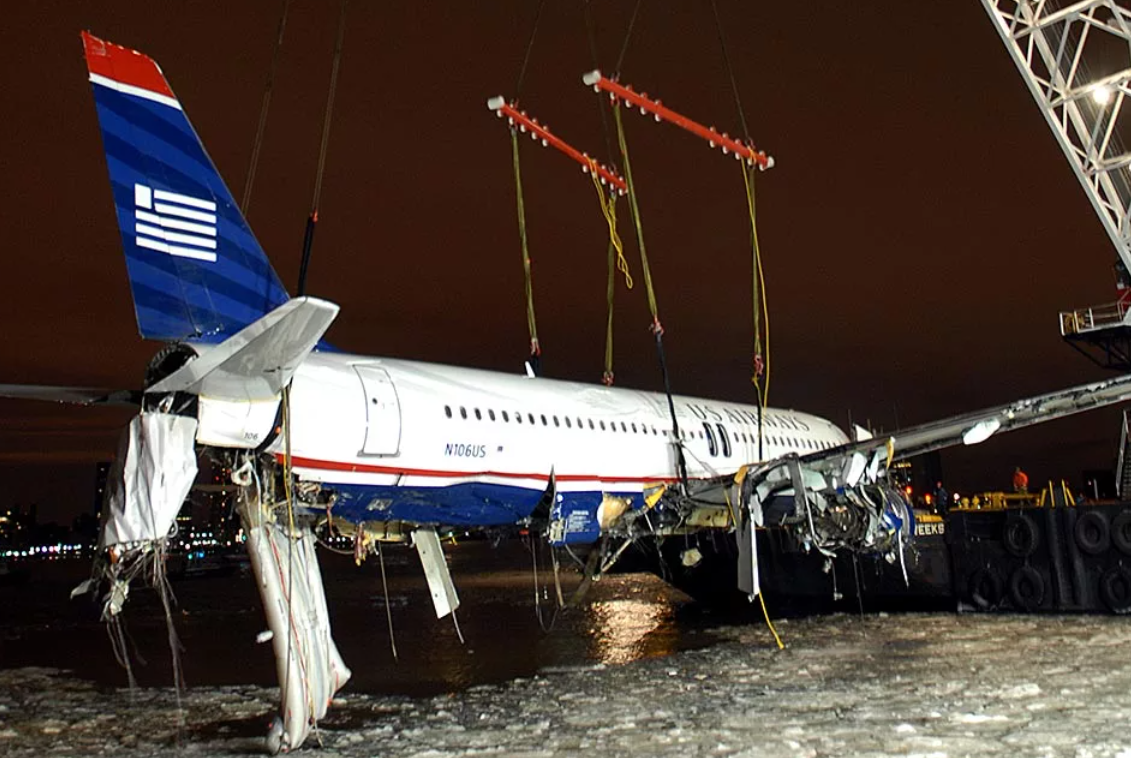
(524, 123)
(634, 99)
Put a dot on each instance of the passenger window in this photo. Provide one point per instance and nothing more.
(506, 417)
(491, 414)
(530, 418)
(602, 426)
(623, 427)
(556, 421)
(462, 412)
(478, 415)
(724, 439)
(569, 424)
(712, 447)
(634, 428)
(544, 421)
(448, 411)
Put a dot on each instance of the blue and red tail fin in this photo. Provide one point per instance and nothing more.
(196, 270)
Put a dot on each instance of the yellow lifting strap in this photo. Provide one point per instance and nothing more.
(632, 206)
(760, 375)
(657, 328)
(617, 261)
(532, 325)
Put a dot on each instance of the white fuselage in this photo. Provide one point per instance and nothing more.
(380, 421)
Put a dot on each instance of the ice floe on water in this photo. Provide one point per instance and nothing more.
(926, 685)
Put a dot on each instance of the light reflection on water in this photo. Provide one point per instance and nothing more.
(621, 629)
(624, 618)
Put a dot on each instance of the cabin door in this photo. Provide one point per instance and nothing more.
(382, 412)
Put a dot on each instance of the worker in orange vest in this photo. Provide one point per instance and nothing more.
(1020, 481)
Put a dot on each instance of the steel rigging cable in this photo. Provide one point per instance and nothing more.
(258, 143)
(312, 219)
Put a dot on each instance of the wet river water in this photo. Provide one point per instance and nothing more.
(640, 670)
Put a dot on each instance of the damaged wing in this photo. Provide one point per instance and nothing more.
(972, 428)
(841, 499)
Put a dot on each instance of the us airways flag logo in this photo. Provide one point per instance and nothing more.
(176, 224)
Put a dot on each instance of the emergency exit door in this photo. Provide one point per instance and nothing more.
(382, 412)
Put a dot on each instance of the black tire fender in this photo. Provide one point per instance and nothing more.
(986, 588)
(1093, 535)
(1021, 536)
(1115, 589)
(1027, 588)
(1121, 532)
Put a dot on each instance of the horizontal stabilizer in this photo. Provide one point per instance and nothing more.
(257, 362)
(73, 395)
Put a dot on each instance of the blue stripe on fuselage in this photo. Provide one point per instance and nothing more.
(469, 505)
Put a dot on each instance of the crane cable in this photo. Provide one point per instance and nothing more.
(760, 375)
(761, 314)
(608, 210)
(531, 321)
(312, 219)
(261, 128)
(634, 211)
(656, 327)
(534, 361)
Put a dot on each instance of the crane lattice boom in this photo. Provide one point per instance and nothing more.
(1076, 60)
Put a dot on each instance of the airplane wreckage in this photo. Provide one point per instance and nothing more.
(396, 450)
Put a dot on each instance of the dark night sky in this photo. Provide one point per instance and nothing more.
(920, 231)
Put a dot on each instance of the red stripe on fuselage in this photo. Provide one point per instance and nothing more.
(365, 468)
(124, 65)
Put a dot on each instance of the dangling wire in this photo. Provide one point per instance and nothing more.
(657, 328)
(385, 588)
(261, 128)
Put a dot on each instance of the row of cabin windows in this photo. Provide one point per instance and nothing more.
(713, 443)
(558, 421)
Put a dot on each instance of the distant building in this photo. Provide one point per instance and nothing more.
(101, 479)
